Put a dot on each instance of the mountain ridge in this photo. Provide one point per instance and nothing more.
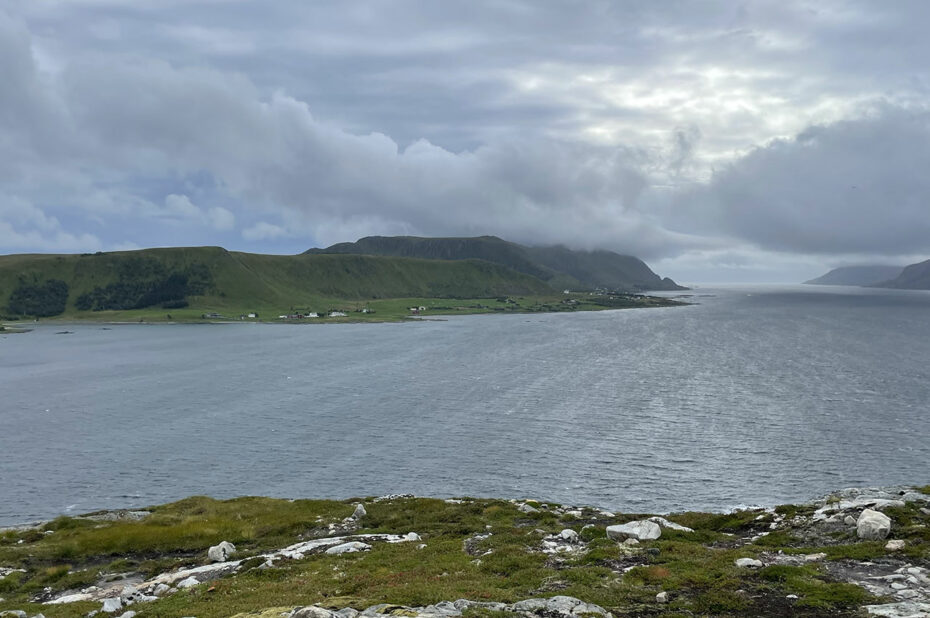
(861, 275)
(558, 266)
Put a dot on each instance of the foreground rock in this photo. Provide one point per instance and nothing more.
(643, 530)
(187, 578)
(554, 607)
(221, 552)
(873, 525)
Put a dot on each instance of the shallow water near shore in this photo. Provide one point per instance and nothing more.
(756, 395)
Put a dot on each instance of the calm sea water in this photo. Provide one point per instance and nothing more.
(753, 396)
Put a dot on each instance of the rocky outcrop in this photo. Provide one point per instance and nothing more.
(554, 607)
(221, 552)
(873, 525)
(642, 530)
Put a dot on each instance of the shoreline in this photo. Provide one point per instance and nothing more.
(649, 302)
(853, 552)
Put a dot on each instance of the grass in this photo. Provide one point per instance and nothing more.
(697, 569)
(272, 285)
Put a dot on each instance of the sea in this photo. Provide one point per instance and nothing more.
(748, 396)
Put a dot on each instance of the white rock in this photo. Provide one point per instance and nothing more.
(643, 530)
(898, 586)
(129, 614)
(792, 596)
(748, 563)
(569, 535)
(630, 542)
(873, 525)
(850, 520)
(190, 582)
(896, 545)
(662, 597)
(906, 609)
(349, 548)
(161, 590)
(221, 552)
(112, 605)
(13, 613)
(670, 524)
(359, 512)
(526, 508)
(311, 611)
(412, 536)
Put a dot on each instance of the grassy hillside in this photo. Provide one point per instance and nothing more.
(558, 266)
(232, 281)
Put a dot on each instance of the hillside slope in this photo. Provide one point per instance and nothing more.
(214, 278)
(558, 266)
(857, 275)
(913, 277)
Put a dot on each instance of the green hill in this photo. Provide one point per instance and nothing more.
(558, 266)
(214, 279)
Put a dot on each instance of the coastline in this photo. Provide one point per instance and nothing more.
(853, 552)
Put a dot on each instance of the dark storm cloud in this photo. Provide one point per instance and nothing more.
(705, 131)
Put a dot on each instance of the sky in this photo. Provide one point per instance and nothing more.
(720, 141)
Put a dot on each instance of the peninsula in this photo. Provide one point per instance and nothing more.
(373, 280)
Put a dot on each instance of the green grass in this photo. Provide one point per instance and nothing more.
(272, 285)
(697, 568)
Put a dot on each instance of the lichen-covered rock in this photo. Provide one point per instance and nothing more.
(112, 605)
(873, 525)
(348, 548)
(221, 552)
(642, 530)
(748, 563)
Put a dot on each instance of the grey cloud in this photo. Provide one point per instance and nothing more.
(851, 186)
(590, 124)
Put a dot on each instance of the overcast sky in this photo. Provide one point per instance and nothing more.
(719, 141)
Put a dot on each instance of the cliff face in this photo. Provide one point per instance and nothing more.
(913, 277)
(857, 275)
(558, 266)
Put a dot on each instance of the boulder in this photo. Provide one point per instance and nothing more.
(569, 535)
(526, 508)
(190, 582)
(748, 563)
(872, 525)
(359, 512)
(662, 597)
(311, 611)
(221, 552)
(13, 613)
(412, 536)
(642, 530)
(348, 548)
(112, 605)
(670, 524)
(161, 590)
(850, 520)
(896, 545)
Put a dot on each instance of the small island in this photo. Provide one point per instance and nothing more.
(854, 552)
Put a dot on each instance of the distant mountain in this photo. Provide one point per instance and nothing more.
(857, 275)
(913, 277)
(558, 266)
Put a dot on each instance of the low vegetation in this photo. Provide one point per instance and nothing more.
(484, 550)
